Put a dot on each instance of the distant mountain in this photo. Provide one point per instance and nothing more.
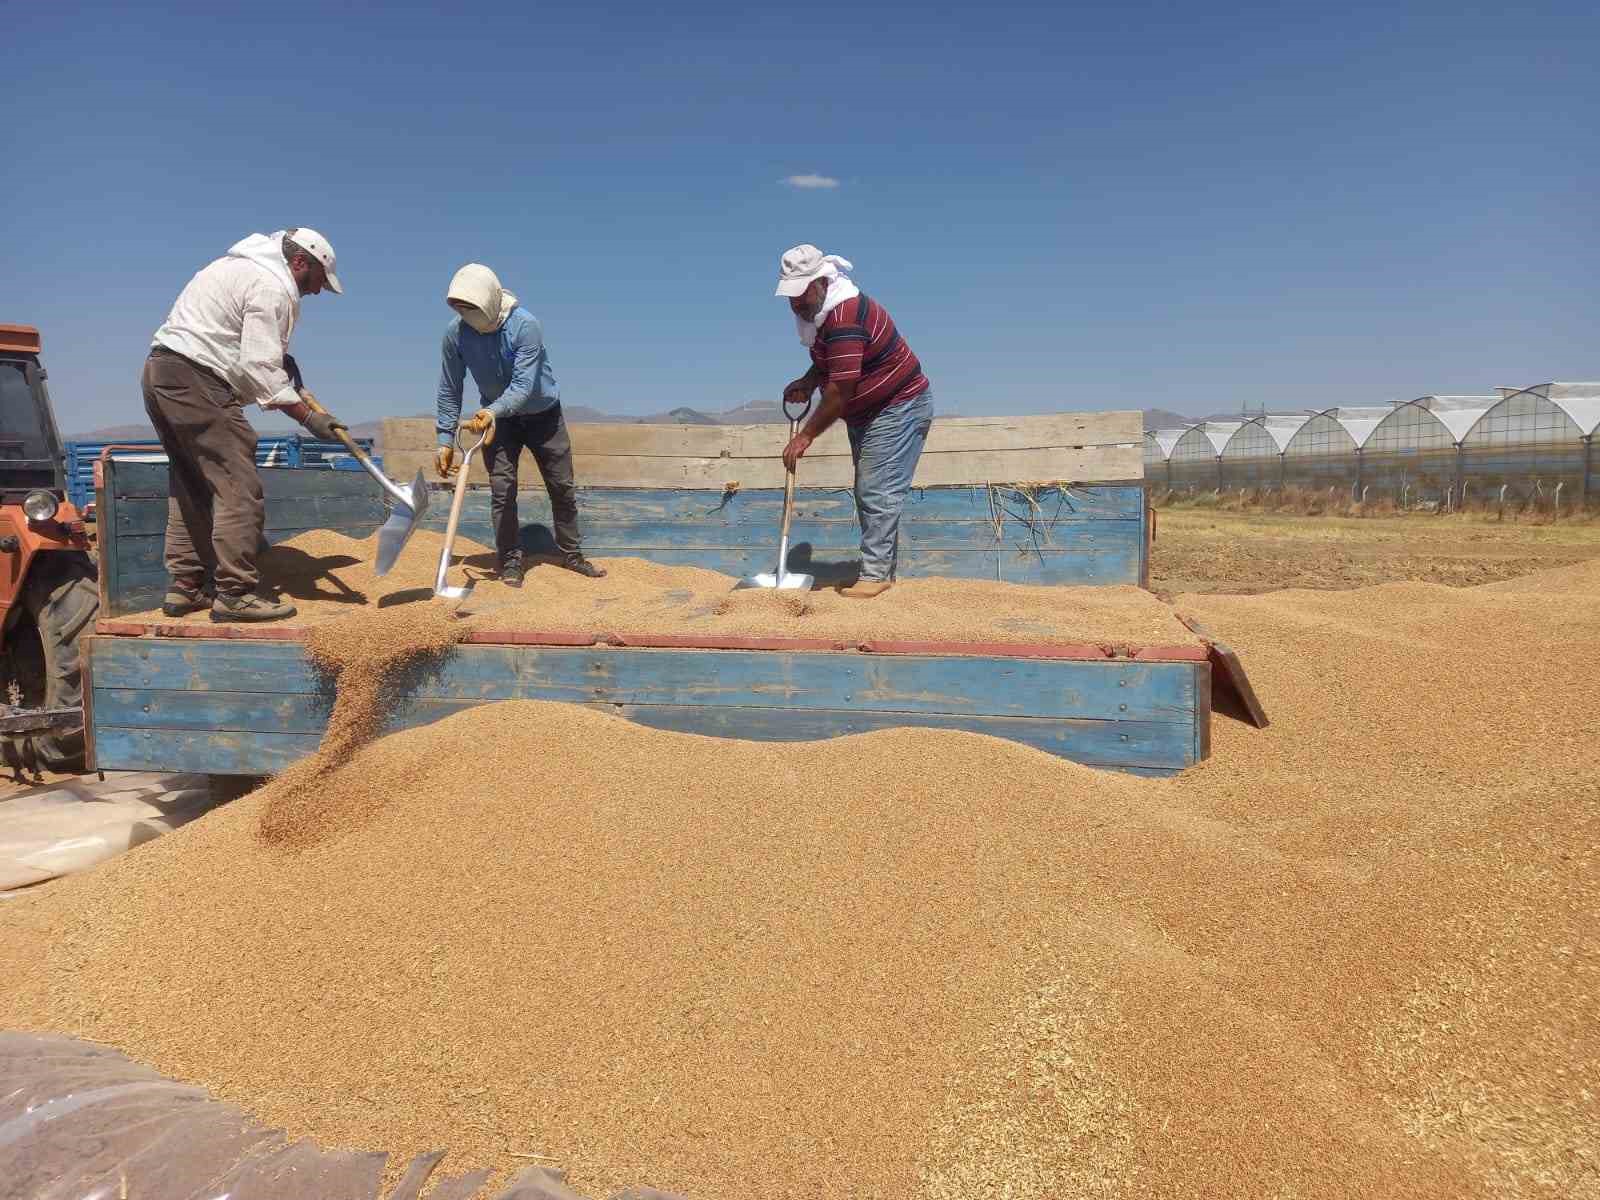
(115, 433)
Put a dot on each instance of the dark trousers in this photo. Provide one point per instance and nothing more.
(216, 513)
(545, 434)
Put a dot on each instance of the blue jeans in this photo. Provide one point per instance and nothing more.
(886, 450)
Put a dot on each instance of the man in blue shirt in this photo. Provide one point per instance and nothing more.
(501, 343)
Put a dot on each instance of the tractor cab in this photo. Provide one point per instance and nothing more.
(48, 583)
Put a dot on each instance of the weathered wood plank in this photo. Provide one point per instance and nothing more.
(1146, 743)
(1096, 564)
(138, 480)
(935, 469)
(1158, 750)
(736, 531)
(1104, 690)
(360, 514)
(200, 751)
(748, 441)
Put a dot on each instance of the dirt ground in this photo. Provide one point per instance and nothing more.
(1208, 550)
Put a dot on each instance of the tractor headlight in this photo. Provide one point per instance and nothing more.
(40, 506)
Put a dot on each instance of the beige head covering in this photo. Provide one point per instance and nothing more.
(477, 285)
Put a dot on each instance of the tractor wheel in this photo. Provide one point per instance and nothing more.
(59, 602)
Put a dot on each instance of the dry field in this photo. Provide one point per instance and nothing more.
(1243, 553)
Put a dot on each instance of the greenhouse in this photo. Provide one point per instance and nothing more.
(1194, 462)
(1253, 456)
(1534, 444)
(1527, 445)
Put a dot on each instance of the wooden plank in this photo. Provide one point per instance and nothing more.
(763, 506)
(1144, 743)
(138, 480)
(712, 441)
(934, 469)
(1100, 561)
(86, 667)
(1010, 687)
(201, 752)
(148, 515)
(1156, 749)
(1230, 680)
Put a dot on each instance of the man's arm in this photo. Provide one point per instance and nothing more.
(447, 402)
(835, 397)
(263, 339)
(525, 393)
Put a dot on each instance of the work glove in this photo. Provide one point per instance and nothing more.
(444, 461)
(482, 422)
(323, 424)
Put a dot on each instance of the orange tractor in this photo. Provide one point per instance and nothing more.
(49, 591)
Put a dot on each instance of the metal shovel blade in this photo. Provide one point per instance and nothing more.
(768, 579)
(404, 517)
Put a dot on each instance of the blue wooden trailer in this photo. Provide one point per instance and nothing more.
(248, 701)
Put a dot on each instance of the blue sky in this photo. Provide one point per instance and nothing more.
(1133, 205)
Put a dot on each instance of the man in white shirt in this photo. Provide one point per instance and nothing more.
(223, 346)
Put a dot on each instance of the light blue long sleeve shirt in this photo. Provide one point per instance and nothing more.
(510, 366)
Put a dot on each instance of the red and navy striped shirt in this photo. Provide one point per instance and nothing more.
(858, 341)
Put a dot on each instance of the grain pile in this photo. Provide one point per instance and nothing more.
(1353, 955)
(329, 577)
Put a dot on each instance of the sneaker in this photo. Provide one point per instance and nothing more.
(184, 598)
(580, 564)
(866, 589)
(512, 570)
(251, 606)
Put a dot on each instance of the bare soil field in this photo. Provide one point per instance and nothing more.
(1243, 553)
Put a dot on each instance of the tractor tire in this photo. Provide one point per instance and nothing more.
(60, 600)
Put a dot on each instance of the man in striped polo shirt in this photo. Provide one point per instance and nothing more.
(871, 379)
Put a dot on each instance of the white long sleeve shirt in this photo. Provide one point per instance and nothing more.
(235, 317)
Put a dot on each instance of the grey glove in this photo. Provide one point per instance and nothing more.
(323, 425)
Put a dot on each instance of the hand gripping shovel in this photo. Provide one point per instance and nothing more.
(781, 578)
(442, 590)
(407, 504)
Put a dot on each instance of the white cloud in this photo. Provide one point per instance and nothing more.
(811, 181)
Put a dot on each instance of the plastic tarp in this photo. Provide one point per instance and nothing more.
(1282, 427)
(66, 827)
(1166, 439)
(1359, 422)
(1458, 414)
(83, 1122)
(1218, 432)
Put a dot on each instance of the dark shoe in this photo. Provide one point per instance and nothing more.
(580, 564)
(250, 607)
(184, 598)
(512, 570)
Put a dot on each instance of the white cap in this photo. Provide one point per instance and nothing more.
(321, 249)
(797, 268)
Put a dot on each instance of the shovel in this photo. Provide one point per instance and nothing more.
(781, 578)
(442, 590)
(407, 503)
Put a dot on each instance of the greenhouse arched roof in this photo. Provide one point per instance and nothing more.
(1580, 401)
(1458, 414)
(1166, 439)
(1358, 422)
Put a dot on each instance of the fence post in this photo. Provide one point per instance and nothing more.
(1583, 487)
